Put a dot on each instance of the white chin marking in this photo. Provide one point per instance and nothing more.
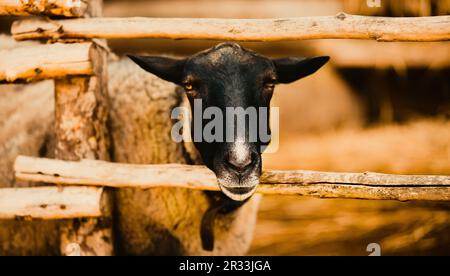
(237, 197)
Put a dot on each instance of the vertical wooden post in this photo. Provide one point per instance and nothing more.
(81, 112)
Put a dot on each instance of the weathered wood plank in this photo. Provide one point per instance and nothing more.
(37, 62)
(341, 26)
(50, 202)
(68, 8)
(81, 112)
(320, 184)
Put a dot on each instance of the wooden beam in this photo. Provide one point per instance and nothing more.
(311, 183)
(37, 62)
(341, 26)
(50, 202)
(81, 112)
(67, 8)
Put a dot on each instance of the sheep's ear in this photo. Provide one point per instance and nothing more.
(291, 69)
(168, 69)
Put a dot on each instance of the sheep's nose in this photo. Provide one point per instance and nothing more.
(240, 163)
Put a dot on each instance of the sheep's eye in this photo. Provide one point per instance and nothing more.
(188, 86)
(270, 83)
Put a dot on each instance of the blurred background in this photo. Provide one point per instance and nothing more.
(381, 107)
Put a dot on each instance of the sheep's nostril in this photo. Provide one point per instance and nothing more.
(240, 164)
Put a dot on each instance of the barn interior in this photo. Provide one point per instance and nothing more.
(382, 107)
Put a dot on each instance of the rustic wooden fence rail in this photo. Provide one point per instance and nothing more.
(67, 8)
(311, 183)
(45, 61)
(51, 203)
(341, 26)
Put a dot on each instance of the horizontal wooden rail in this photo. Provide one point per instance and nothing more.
(45, 61)
(310, 183)
(50, 202)
(435, 28)
(68, 8)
